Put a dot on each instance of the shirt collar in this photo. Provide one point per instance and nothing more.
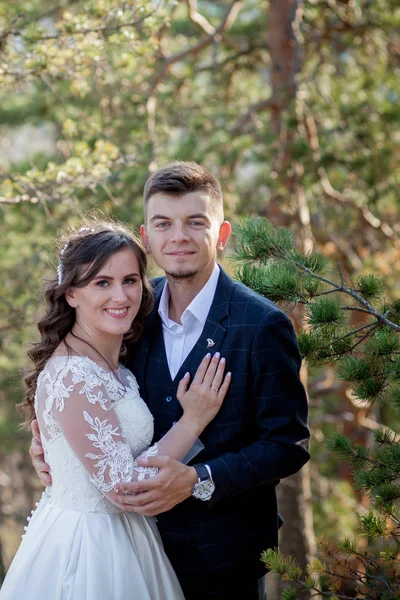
(199, 306)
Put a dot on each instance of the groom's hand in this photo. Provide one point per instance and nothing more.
(173, 484)
(37, 455)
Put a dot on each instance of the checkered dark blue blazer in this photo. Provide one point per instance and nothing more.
(259, 436)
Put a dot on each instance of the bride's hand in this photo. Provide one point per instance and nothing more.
(204, 398)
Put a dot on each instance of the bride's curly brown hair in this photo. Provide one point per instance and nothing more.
(83, 253)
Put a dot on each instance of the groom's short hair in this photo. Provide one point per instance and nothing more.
(180, 178)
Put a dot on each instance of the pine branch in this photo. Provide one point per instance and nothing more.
(351, 333)
(342, 288)
(364, 337)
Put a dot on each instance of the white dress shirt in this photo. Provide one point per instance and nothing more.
(180, 339)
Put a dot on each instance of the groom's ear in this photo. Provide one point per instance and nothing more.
(145, 239)
(225, 231)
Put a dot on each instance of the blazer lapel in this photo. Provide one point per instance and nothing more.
(214, 332)
(210, 340)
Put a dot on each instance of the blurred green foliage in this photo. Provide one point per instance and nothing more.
(128, 87)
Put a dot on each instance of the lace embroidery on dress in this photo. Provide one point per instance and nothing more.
(51, 426)
(115, 455)
(91, 376)
(146, 472)
(107, 456)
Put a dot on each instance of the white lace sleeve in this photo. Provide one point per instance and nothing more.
(86, 418)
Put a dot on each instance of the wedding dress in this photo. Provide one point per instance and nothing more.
(78, 545)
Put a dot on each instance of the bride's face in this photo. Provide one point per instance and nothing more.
(110, 302)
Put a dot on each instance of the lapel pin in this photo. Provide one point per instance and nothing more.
(210, 343)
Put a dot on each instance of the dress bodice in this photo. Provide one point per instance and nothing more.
(92, 422)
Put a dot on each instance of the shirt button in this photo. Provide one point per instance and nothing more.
(168, 399)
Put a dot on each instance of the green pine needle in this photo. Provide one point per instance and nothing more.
(354, 369)
(390, 554)
(347, 545)
(370, 287)
(371, 388)
(372, 525)
(289, 593)
(279, 283)
(258, 240)
(324, 312)
(309, 342)
(341, 445)
(395, 397)
(395, 370)
(311, 286)
(276, 562)
(384, 343)
(394, 311)
(311, 260)
(385, 436)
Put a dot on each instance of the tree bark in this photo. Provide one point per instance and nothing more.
(283, 18)
(296, 538)
(294, 493)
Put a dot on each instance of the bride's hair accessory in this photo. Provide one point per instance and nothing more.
(63, 249)
(60, 267)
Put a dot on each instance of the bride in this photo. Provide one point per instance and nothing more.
(96, 430)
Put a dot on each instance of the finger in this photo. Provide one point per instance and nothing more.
(35, 430)
(45, 479)
(219, 375)
(136, 500)
(198, 378)
(212, 369)
(42, 467)
(183, 386)
(225, 385)
(139, 487)
(147, 511)
(154, 461)
(135, 487)
(150, 510)
(36, 450)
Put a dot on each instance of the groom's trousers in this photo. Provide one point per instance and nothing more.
(199, 582)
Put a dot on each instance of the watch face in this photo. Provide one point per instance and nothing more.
(204, 490)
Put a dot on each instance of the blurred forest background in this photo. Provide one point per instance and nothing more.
(295, 106)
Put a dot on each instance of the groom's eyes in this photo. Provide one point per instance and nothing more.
(164, 224)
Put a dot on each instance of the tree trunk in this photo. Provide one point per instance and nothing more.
(296, 538)
(283, 16)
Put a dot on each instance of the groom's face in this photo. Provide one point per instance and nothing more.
(183, 233)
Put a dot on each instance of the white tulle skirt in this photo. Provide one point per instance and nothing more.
(71, 555)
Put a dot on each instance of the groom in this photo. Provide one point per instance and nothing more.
(216, 516)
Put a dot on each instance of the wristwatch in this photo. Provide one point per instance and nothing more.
(205, 486)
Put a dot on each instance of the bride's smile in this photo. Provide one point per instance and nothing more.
(108, 304)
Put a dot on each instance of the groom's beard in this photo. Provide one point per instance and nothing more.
(182, 273)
